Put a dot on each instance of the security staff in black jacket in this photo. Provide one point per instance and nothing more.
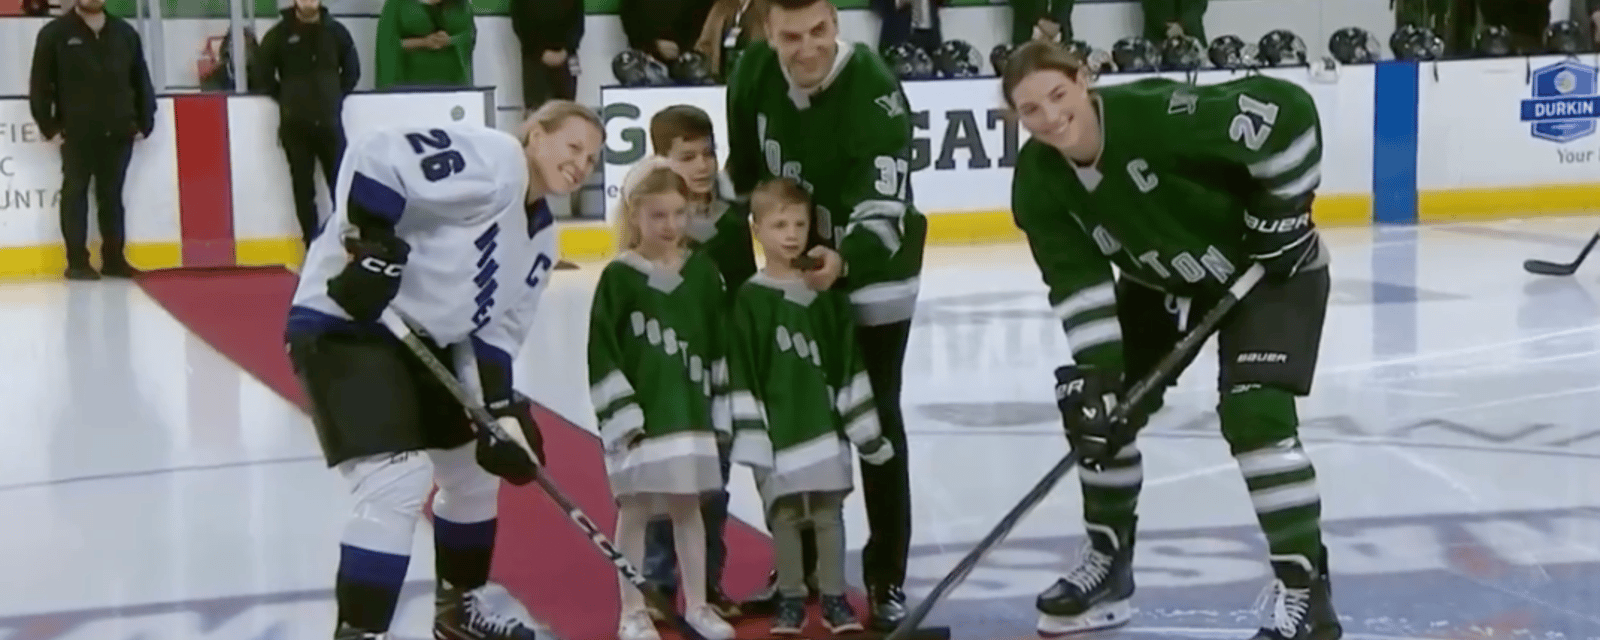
(90, 89)
(307, 62)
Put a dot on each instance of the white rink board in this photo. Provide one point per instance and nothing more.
(30, 178)
(964, 145)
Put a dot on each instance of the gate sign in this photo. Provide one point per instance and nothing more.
(1565, 102)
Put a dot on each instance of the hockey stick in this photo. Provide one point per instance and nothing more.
(480, 416)
(1545, 268)
(1202, 331)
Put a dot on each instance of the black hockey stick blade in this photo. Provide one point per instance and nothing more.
(1546, 268)
(1158, 375)
(398, 324)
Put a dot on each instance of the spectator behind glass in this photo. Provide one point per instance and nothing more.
(308, 64)
(425, 43)
(730, 26)
(1167, 18)
(550, 31)
(914, 21)
(97, 100)
(1041, 20)
(663, 29)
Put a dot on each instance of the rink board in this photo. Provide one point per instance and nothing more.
(1403, 143)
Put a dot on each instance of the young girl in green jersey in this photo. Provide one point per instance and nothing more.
(801, 396)
(657, 378)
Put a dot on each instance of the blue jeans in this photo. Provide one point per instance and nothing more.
(661, 558)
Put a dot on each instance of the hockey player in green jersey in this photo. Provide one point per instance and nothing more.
(829, 114)
(1180, 187)
(800, 390)
(682, 136)
(658, 380)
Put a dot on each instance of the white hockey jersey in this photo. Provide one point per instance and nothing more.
(480, 257)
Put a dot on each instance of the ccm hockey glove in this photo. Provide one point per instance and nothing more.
(500, 453)
(1283, 246)
(372, 277)
(1086, 397)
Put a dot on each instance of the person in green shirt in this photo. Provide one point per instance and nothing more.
(425, 43)
(1180, 188)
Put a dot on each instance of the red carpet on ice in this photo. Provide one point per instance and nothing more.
(541, 557)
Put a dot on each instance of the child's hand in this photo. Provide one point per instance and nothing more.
(877, 452)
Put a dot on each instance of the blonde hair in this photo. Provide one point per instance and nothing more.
(554, 113)
(652, 176)
(775, 194)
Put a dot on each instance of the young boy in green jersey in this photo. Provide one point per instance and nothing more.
(800, 397)
(682, 135)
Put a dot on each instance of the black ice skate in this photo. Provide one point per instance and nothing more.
(463, 615)
(1098, 593)
(347, 632)
(1299, 602)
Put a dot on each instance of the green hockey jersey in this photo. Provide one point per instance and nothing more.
(657, 369)
(799, 386)
(1186, 172)
(849, 145)
(723, 234)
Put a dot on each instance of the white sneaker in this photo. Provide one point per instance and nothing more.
(705, 620)
(637, 625)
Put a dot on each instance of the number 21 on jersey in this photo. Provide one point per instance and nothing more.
(1246, 129)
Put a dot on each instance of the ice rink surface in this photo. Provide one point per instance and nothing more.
(156, 491)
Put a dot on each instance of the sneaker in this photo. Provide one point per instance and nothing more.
(723, 605)
(463, 615)
(790, 617)
(705, 620)
(839, 615)
(636, 625)
(82, 273)
(347, 632)
(888, 606)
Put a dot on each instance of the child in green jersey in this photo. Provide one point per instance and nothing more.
(658, 382)
(800, 397)
(682, 136)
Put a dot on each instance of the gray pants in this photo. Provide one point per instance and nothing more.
(823, 512)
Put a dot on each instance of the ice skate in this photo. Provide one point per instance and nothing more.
(1095, 595)
(1299, 602)
(464, 615)
(637, 625)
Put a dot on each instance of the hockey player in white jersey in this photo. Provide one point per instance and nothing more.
(449, 226)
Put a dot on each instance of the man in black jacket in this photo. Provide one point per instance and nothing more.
(91, 87)
(550, 31)
(307, 62)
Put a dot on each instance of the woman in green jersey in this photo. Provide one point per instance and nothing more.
(1180, 187)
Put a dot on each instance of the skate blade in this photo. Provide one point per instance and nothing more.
(1105, 616)
(814, 633)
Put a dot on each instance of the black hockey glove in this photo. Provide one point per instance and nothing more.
(372, 277)
(1283, 246)
(500, 454)
(1087, 397)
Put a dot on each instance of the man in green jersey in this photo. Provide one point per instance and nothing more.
(830, 115)
(1181, 188)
